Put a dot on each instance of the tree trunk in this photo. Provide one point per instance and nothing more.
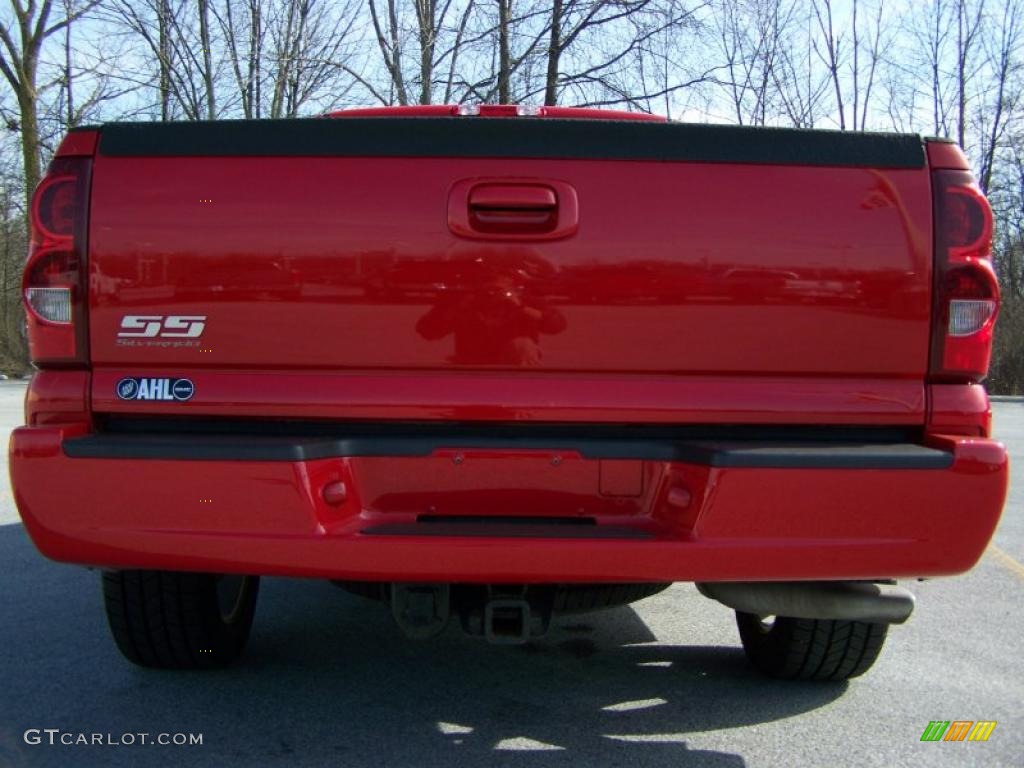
(833, 65)
(204, 39)
(163, 12)
(70, 105)
(961, 73)
(856, 66)
(425, 12)
(284, 61)
(29, 145)
(390, 46)
(255, 52)
(504, 58)
(554, 54)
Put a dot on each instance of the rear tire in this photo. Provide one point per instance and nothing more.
(810, 649)
(170, 620)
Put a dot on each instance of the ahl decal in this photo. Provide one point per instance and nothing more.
(155, 389)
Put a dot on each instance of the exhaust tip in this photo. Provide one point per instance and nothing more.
(837, 600)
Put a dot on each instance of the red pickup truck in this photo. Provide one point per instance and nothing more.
(510, 364)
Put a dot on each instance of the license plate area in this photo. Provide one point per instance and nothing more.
(504, 483)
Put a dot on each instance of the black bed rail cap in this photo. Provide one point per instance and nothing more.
(510, 137)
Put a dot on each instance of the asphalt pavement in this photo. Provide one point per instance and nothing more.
(328, 680)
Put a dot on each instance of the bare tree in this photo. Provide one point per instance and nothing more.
(504, 51)
(867, 44)
(968, 27)
(19, 63)
(947, 34)
(851, 59)
(168, 33)
(389, 40)
(1002, 99)
(829, 50)
(801, 90)
(163, 54)
(613, 34)
(1006, 375)
(13, 246)
(311, 41)
(753, 37)
(437, 29)
(203, 7)
(244, 36)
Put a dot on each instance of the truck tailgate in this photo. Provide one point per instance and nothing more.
(337, 265)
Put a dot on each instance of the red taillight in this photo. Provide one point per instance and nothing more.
(54, 206)
(54, 284)
(966, 292)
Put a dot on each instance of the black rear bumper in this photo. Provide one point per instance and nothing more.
(729, 446)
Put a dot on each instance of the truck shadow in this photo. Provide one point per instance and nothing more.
(328, 679)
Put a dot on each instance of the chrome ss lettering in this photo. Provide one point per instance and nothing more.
(162, 326)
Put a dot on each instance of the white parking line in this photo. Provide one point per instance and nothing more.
(1007, 560)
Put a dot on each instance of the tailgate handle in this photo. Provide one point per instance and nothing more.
(505, 208)
(512, 210)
